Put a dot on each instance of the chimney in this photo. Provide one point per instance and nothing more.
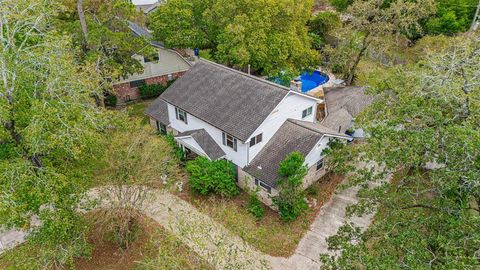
(296, 85)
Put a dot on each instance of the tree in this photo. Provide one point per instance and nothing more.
(321, 25)
(50, 125)
(375, 25)
(424, 126)
(291, 198)
(240, 32)
(101, 33)
(136, 160)
(452, 16)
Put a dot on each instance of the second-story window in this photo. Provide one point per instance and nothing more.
(256, 139)
(229, 141)
(181, 115)
(307, 112)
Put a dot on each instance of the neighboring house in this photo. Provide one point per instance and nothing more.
(343, 104)
(218, 112)
(167, 65)
(149, 8)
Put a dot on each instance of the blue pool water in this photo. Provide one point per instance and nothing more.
(312, 80)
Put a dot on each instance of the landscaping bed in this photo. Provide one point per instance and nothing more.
(269, 234)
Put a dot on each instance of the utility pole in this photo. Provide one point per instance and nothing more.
(476, 19)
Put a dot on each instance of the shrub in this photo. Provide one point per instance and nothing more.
(207, 177)
(290, 200)
(151, 90)
(255, 206)
(177, 150)
(111, 100)
(341, 5)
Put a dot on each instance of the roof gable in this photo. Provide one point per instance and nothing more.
(230, 100)
(206, 142)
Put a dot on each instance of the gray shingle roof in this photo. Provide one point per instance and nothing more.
(343, 105)
(201, 136)
(292, 136)
(232, 101)
(158, 110)
(140, 31)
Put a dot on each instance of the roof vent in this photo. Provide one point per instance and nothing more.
(259, 167)
(296, 85)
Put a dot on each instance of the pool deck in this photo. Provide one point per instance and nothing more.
(318, 91)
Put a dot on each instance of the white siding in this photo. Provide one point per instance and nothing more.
(193, 145)
(316, 153)
(290, 107)
(239, 157)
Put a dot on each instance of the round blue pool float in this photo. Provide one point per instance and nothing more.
(311, 80)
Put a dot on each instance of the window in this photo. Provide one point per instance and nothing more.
(229, 141)
(264, 186)
(137, 83)
(256, 139)
(307, 112)
(181, 115)
(320, 164)
(161, 128)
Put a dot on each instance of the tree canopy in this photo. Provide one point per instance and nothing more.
(49, 127)
(271, 36)
(424, 126)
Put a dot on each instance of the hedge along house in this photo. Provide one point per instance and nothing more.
(167, 65)
(218, 112)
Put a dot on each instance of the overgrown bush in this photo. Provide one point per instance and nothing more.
(111, 100)
(291, 198)
(255, 206)
(151, 90)
(341, 5)
(217, 177)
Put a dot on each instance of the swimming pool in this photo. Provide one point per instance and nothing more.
(312, 80)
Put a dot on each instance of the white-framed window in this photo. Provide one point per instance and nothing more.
(320, 164)
(161, 128)
(230, 141)
(256, 139)
(264, 186)
(181, 115)
(307, 112)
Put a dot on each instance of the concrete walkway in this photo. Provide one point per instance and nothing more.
(326, 224)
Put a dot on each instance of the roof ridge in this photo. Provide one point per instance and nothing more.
(296, 122)
(245, 74)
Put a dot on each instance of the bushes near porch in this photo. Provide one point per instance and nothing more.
(212, 177)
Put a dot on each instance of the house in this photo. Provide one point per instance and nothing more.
(147, 7)
(343, 104)
(222, 113)
(167, 65)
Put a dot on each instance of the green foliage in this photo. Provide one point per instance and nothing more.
(207, 177)
(238, 33)
(427, 218)
(452, 16)
(255, 206)
(151, 90)
(321, 25)
(341, 5)
(177, 150)
(109, 43)
(111, 100)
(291, 200)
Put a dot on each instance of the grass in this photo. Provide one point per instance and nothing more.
(136, 109)
(269, 235)
(153, 248)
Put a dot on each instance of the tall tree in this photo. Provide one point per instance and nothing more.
(100, 29)
(372, 26)
(48, 132)
(269, 35)
(425, 126)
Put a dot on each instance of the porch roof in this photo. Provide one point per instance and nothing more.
(205, 141)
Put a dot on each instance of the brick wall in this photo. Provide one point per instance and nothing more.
(124, 92)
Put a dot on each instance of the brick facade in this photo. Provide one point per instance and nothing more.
(125, 93)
